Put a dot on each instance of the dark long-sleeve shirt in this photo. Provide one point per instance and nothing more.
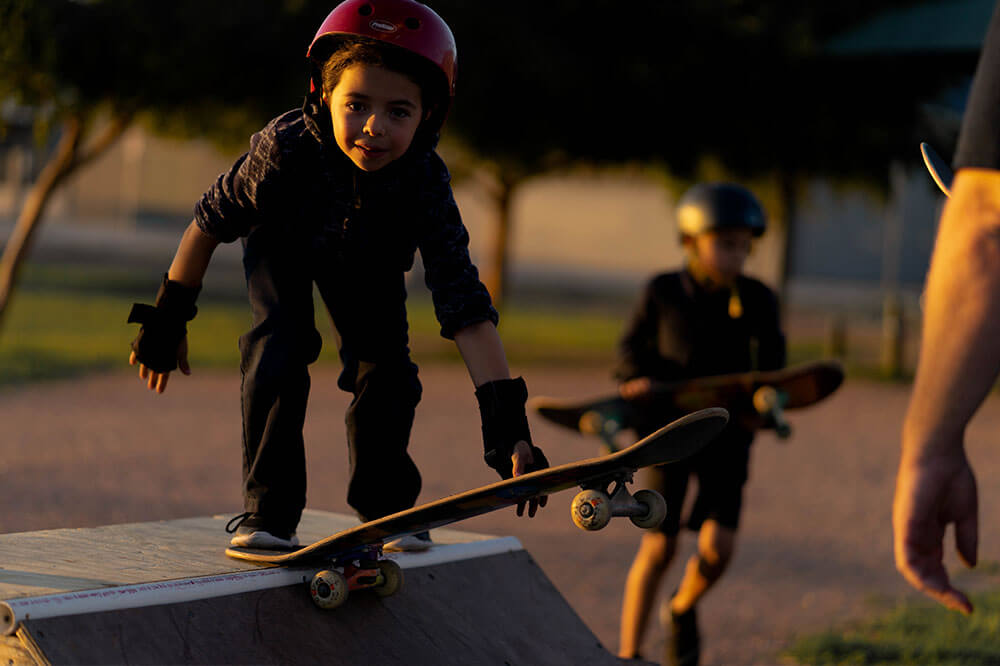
(680, 331)
(295, 177)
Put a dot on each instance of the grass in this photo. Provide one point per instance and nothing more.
(68, 320)
(911, 633)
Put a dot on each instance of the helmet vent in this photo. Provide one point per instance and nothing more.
(412, 23)
(365, 10)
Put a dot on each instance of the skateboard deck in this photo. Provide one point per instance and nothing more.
(356, 552)
(939, 169)
(754, 399)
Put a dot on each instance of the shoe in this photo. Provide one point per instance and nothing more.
(411, 543)
(252, 532)
(683, 648)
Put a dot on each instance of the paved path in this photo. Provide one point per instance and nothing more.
(815, 548)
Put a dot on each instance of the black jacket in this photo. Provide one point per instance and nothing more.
(680, 331)
(295, 177)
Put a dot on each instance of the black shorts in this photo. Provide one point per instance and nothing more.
(721, 468)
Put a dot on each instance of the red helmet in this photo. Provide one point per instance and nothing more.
(405, 23)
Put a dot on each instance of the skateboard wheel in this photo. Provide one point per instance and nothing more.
(591, 510)
(393, 578)
(656, 509)
(328, 589)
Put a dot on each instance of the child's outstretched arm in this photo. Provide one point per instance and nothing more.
(161, 345)
(506, 436)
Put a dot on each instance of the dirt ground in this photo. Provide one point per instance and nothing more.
(814, 551)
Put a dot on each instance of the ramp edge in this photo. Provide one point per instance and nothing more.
(14, 611)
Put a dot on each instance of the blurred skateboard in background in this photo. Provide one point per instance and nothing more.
(939, 169)
(754, 399)
(353, 560)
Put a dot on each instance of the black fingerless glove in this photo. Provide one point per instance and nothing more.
(501, 406)
(163, 325)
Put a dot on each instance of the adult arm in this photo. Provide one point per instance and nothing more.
(959, 356)
(959, 362)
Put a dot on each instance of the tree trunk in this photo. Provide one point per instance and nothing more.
(64, 161)
(496, 280)
(788, 195)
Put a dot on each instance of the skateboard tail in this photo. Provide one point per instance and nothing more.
(689, 434)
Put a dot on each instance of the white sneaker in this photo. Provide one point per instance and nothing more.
(264, 540)
(249, 532)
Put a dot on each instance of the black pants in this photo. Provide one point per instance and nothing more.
(721, 468)
(366, 301)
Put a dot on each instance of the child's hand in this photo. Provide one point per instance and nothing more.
(636, 388)
(524, 460)
(161, 345)
(157, 381)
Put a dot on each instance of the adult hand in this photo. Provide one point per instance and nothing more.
(932, 493)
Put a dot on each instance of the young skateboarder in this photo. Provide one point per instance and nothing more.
(705, 319)
(342, 193)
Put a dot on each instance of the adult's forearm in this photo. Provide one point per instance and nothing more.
(960, 352)
(192, 257)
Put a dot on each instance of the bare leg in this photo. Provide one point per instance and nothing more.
(715, 550)
(656, 550)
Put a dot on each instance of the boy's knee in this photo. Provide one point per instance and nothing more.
(715, 550)
(271, 353)
(657, 549)
(711, 567)
(392, 383)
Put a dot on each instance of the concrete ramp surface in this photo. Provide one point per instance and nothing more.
(457, 606)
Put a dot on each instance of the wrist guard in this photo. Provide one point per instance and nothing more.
(163, 325)
(501, 406)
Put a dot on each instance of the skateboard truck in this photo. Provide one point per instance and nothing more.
(359, 569)
(595, 505)
(605, 427)
(770, 402)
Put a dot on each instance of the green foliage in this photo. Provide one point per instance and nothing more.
(219, 69)
(746, 82)
(912, 634)
(540, 84)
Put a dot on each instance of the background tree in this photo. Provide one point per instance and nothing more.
(188, 68)
(745, 84)
(542, 85)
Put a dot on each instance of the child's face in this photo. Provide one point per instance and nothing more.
(375, 115)
(722, 253)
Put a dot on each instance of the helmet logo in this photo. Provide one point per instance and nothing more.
(382, 26)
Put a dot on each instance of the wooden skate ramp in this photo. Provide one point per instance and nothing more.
(476, 609)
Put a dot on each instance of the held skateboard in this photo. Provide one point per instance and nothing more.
(755, 399)
(938, 168)
(353, 557)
